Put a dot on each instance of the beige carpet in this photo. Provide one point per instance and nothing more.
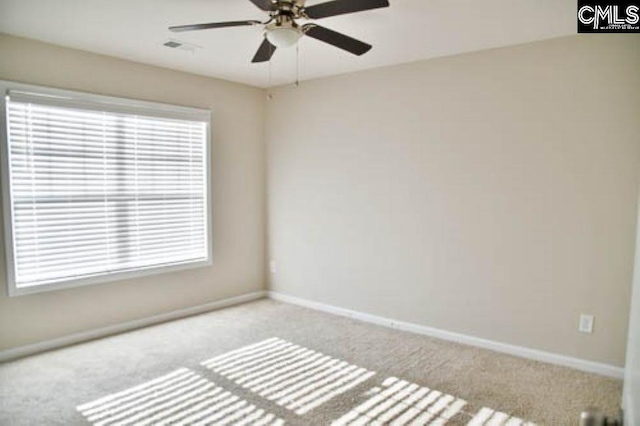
(272, 363)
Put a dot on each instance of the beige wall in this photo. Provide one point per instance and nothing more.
(238, 194)
(491, 194)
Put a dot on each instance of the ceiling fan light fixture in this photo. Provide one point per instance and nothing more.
(283, 36)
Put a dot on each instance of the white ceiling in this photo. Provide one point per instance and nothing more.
(407, 31)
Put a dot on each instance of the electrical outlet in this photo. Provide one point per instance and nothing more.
(586, 323)
(272, 267)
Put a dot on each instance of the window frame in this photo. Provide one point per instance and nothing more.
(114, 104)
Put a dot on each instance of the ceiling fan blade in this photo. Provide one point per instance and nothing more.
(336, 39)
(266, 5)
(340, 7)
(210, 25)
(264, 53)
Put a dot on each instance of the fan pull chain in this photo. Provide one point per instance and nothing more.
(270, 59)
(269, 94)
(298, 65)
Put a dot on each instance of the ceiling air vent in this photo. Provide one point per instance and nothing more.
(181, 45)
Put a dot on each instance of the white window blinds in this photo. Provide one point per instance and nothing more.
(98, 190)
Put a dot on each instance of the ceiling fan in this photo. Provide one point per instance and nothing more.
(282, 30)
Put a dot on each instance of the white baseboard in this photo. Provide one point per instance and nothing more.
(19, 352)
(552, 358)
(523, 352)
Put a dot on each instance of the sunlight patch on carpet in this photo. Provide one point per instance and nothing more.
(292, 376)
(179, 398)
(400, 403)
(488, 417)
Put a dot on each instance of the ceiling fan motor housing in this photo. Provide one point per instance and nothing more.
(294, 8)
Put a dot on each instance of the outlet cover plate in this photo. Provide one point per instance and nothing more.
(586, 323)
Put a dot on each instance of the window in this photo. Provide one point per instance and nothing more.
(98, 188)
